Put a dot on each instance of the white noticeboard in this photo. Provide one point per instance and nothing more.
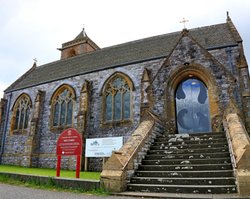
(102, 147)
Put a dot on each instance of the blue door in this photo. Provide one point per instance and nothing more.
(192, 107)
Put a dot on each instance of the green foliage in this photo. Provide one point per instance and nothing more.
(50, 184)
(49, 172)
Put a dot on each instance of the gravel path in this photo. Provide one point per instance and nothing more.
(20, 192)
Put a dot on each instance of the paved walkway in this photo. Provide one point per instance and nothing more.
(20, 192)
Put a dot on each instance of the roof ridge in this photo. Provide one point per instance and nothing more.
(132, 42)
(162, 35)
(154, 47)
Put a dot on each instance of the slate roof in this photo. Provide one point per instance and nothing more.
(214, 36)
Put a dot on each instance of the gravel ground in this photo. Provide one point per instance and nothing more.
(20, 192)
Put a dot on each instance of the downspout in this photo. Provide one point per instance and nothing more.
(5, 127)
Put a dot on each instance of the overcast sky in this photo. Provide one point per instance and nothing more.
(36, 28)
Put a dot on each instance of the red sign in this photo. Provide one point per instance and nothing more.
(69, 143)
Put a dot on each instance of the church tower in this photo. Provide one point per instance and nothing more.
(80, 45)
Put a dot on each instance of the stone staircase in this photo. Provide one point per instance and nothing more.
(195, 163)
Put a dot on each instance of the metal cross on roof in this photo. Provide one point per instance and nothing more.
(35, 60)
(184, 21)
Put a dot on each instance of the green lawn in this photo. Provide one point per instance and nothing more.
(49, 172)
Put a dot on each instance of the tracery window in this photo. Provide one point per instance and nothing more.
(117, 99)
(21, 113)
(62, 107)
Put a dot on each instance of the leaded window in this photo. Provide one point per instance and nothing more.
(62, 105)
(117, 99)
(21, 113)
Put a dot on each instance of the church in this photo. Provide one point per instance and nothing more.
(184, 94)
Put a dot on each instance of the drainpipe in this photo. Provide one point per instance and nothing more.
(5, 127)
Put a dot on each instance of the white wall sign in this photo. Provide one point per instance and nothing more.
(102, 147)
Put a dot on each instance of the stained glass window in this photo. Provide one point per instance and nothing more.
(22, 113)
(70, 112)
(109, 107)
(126, 105)
(63, 108)
(117, 97)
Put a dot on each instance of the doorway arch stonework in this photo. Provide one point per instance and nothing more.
(192, 71)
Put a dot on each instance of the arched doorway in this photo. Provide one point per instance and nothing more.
(192, 107)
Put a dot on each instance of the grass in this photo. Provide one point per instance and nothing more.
(49, 172)
(50, 185)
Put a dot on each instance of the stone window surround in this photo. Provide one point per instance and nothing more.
(14, 111)
(122, 122)
(58, 91)
(60, 88)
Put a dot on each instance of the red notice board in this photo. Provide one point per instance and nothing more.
(69, 143)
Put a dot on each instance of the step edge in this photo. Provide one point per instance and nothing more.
(183, 186)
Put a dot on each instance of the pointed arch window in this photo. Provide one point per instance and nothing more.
(21, 113)
(62, 107)
(117, 98)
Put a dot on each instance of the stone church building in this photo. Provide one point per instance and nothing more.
(192, 82)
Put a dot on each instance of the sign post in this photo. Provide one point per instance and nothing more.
(102, 147)
(69, 143)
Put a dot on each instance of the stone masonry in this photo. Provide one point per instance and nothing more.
(156, 66)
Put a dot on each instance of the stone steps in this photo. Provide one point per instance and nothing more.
(186, 167)
(183, 145)
(187, 156)
(190, 150)
(198, 163)
(185, 181)
(198, 189)
(193, 161)
(180, 141)
(185, 174)
(193, 135)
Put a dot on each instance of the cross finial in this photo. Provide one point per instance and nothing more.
(83, 31)
(34, 64)
(184, 21)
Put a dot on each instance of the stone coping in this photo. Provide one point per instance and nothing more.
(83, 184)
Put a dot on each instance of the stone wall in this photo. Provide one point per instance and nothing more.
(44, 153)
(187, 60)
(3, 104)
(86, 185)
(240, 142)
(119, 167)
(217, 68)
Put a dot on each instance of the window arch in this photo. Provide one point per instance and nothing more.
(21, 113)
(62, 106)
(117, 95)
(72, 53)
